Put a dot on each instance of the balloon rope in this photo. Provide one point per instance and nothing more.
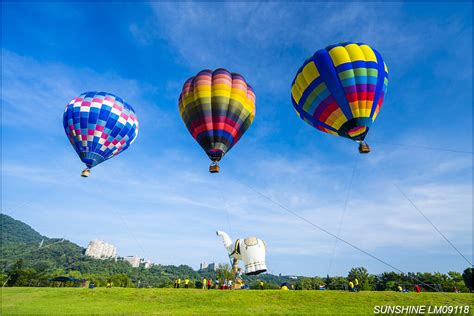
(130, 231)
(432, 224)
(30, 200)
(36, 249)
(425, 147)
(343, 213)
(428, 220)
(337, 237)
(224, 204)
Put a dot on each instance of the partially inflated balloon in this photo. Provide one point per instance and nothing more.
(99, 126)
(340, 89)
(217, 108)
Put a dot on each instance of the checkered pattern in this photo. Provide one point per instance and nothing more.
(99, 125)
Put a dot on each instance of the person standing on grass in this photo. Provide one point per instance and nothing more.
(178, 283)
(261, 285)
(417, 288)
(356, 283)
(209, 284)
(186, 283)
(204, 284)
(351, 286)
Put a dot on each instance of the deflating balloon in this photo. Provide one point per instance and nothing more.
(340, 90)
(99, 126)
(217, 107)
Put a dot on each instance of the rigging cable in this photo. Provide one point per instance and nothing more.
(383, 169)
(337, 237)
(343, 213)
(224, 204)
(432, 224)
(425, 147)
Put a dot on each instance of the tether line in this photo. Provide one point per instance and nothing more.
(337, 237)
(425, 147)
(343, 214)
(432, 224)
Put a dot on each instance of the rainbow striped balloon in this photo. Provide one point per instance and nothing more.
(340, 89)
(217, 107)
(99, 125)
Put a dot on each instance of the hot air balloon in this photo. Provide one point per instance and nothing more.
(99, 126)
(251, 251)
(340, 90)
(217, 107)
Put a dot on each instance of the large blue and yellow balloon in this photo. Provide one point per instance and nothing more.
(340, 89)
(99, 125)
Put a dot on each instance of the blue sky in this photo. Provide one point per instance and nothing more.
(157, 199)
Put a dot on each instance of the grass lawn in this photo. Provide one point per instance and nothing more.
(55, 301)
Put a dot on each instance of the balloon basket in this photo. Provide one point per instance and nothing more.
(85, 173)
(214, 167)
(364, 148)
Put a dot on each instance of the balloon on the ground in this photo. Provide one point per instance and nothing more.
(340, 90)
(99, 126)
(217, 108)
(250, 250)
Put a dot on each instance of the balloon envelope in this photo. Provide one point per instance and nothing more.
(217, 107)
(340, 89)
(99, 125)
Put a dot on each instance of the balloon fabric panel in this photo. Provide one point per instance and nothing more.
(99, 125)
(340, 89)
(217, 107)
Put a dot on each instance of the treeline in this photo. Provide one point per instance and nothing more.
(30, 259)
(121, 274)
(390, 281)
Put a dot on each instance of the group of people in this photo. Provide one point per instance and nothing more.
(177, 283)
(354, 286)
(207, 284)
(226, 284)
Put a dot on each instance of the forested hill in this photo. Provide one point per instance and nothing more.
(21, 255)
(14, 231)
(20, 241)
(24, 263)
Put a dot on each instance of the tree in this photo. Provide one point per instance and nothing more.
(121, 280)
(338, 283)
(362, 276)
(224, 271)
(467, 277)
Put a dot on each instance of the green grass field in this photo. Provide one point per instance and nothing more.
(55, 301)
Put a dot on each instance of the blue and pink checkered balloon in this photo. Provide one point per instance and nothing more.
(99, 126)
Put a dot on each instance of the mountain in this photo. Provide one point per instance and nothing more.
(20, 241)
(20, 250)
(14, 231)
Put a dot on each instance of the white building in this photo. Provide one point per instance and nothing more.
(204, 266)
(133, 260)
(146, 263)
(101, 250)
